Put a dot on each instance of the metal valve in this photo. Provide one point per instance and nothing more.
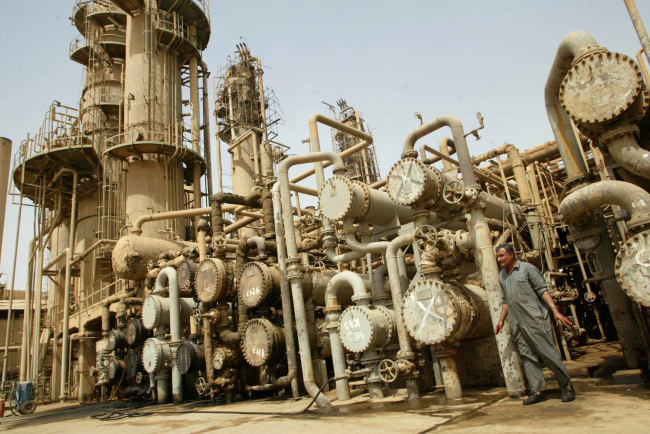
(425, 235)
(388, 370)
(453, 192)
(220, 239)
(201, 386)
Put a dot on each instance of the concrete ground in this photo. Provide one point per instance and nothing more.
(600, 407)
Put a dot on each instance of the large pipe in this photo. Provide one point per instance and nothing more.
(285, 294)
(294, 269)
(572, 46)
(168, 277)
(5, 167)
(625, 150)
(638, 26)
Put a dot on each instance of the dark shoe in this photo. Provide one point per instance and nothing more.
(534, 398)
(568, 396)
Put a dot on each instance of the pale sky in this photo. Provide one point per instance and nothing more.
(387, 59)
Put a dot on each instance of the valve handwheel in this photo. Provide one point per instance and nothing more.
(453, 192)
(388, 370)
(320, 268)
(425, 234)
(201, 386)
(590, 296)
(220, 239)
(196, 316)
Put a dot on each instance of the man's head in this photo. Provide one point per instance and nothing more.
(505, 255)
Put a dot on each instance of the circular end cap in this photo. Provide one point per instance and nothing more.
(151, 312)
(101, 346)
(407, 181)
(116, 340)
(212, 281)
(135, 331)
(336, 198)
(152, 355)
(222, 357)
(356, 329)
(115, 370)
(186, 357)
(261, 342)
(633, 268)
(133, 366)
(601, 87)
(429, 313)
(255, 284)
(186, 273)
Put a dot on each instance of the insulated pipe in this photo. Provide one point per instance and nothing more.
(294, 270)
(285, 294)
(217, 201)
(576, 208)
(136, 229)
(168, 277)
(572, 46)
(333, 315)
(66, 324)
(259, 243)
(5, 167)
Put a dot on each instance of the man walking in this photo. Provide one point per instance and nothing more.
(523, 286)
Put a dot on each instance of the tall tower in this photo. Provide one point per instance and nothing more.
(361, 166)
(245, 118)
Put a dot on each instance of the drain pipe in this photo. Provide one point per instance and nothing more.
(332, 316)
(168, 277)
(484, 250)
(294, 267)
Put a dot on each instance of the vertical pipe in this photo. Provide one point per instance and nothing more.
(11, 292)
(265, 148)
(285, 291)
(68, 278)
(5, 168)
(206, 126)
(65, 340)
(444, 149)
(27, 318)
(168, 277)
(638, 26)
(450, 379)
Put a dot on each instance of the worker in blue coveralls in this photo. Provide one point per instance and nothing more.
(527, 301)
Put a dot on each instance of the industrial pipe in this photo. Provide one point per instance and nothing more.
(577, 207)
(27, 318)
(66, 324)
(638, 26)
(294, 270)
(168, 277)
(206, 126)
(285, 295)
(626, 151)
(136, 229)
(572, 46)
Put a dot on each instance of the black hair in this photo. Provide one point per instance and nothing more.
(507, 247)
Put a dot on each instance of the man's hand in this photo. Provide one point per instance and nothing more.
(561, 319)
(499, 328)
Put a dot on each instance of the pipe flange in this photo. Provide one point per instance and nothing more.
(223, 357)
(133, 366)
(366, 200)
(601, 87)
(116, 340)
(255, 284)
(155, 354)
(135, 331)
(633, 268)
(410, 181)
(620, 131)
(186, 275)
(214, 280)
(152, 312)
(261, 342)
(429, 314)
(336, 198)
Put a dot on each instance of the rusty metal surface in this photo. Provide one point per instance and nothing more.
(633, 268)
(213, 280)
(362, 328)
(262, 342)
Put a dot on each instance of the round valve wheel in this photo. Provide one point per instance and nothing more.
(201, 386)
(453, 192)
(388, 370)
(219, 239)
(425, 235)
(590, 297)
(319, 267)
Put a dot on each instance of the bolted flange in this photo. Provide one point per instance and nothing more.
(633, 267)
